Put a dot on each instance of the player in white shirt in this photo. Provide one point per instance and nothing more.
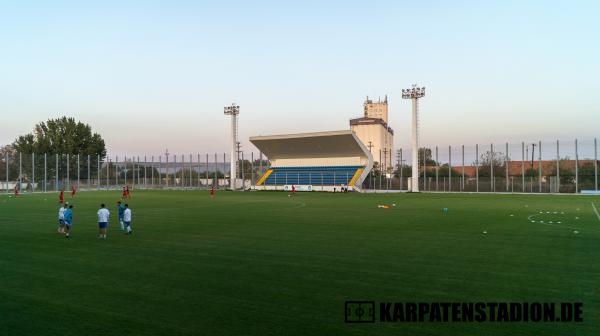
(103, 215)
(61, 217)
(127, 219)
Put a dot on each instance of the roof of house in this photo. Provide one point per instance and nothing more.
(371, 121)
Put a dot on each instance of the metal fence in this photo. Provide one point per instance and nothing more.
(539, 167)
(31, 172)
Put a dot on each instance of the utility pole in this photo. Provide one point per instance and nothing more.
(384, 167)
(414, 94)
(400, 165)
(371, 172)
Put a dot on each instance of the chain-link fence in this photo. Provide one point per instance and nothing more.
(539, 167)
(31, 172)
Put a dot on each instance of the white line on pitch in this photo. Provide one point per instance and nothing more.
(595, 210)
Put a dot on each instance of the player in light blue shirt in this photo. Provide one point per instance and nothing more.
(68, 221)
(121, 209)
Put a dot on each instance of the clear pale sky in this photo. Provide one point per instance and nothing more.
(150, 75)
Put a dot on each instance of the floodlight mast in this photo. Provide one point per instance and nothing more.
(233, 111)
(414, 94)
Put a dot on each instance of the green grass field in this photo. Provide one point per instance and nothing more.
(268, 264)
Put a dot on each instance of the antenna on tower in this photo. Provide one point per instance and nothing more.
(414, 94)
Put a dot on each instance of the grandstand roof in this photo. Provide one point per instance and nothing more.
(311, 145)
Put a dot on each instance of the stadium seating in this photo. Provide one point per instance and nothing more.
(325, 175)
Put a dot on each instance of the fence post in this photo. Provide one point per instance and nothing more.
(32, 172)
(166, 170)
(506, 166)
(6, 159)
(45, 172)
(462, 182)
(117, 170)
(20, 169)
(540, 166)
(595, 164)
(401, 169)
(215, 176)
(132, 182)
(437, 169)
(557, 167)
(424, 170)
(492, 179)
(523, 166)
(56, 172)
(449, 168)
(243, 175)
(477, 167)
(125, 169)
(252, 169)
(89, 175)
(206, 170)
(107, 162)
(78, 172)
(381, 169)
(97, 173)
(198, 174)
(68, 171)
(576, 168)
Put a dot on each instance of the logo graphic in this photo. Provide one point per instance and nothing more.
(360, 312)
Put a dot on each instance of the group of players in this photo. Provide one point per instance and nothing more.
(65, 216)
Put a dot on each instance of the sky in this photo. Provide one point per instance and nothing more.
(152, 75)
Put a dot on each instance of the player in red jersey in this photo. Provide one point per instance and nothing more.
(293, 190)
(127, 191)
(16, 191)
(61, 197)
(73, 191)
(124, 194)
(212, 191)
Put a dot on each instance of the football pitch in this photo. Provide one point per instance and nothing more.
(263, 263)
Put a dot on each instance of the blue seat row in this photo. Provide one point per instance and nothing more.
(326, 175)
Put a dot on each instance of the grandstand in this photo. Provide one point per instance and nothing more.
(320, 161)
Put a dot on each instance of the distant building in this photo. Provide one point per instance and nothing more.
(373, 130)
